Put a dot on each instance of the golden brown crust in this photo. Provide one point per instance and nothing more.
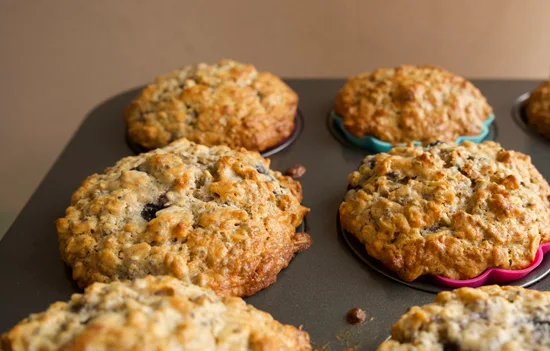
(215, 216)
(411, 103)
(490, 318)
(447, 209)
(538, 109)
(154, 313)
(228, 103)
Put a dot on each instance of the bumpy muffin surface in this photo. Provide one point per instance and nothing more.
(215, 216)
(538, 109)
(489, 318)
(153, 313)
(411, 103)
(228, 103)
(448, 209)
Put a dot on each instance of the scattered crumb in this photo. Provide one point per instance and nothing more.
(344, 336)
(371, 318)
(296, 171)
(356, 316)
(352, 348)
(324, 347)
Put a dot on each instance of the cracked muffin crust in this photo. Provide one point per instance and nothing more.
(154, 313)
(490, 318)
(538, 109)
(448, 209)
(214, 216)
(411, 103)
(228, 103)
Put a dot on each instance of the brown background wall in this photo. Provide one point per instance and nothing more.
(60, 58)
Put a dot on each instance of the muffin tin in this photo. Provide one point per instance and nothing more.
(319, 286)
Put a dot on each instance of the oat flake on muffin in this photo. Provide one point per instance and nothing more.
(215, 216)
(228, 103)
(154, 313)
(447, 209)
(411, 103)
(489, 318)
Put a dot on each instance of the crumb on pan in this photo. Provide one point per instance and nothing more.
(356, 316)
(296, 171)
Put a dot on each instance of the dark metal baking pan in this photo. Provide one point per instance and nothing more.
(320, 285)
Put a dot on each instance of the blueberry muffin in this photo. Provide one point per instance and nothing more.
(489, 318)
(538, 109)
(227, 103)
(154, 313)
(215, 216)
(411, 103)
(448, 209)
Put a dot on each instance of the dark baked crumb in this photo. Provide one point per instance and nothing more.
(451, 346)
(356, 316)
(296, 171)
(150, 210)
(435, 143)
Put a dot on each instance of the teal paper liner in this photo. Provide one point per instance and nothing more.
(374, 144)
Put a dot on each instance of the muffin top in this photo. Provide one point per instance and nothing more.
(448, 209)
(154, 313)
(411, 103)
(228, 103)
(538, 109)
(215, 216)
(490, 318)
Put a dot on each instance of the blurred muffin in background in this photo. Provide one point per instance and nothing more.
(411, 103)
(538, 109)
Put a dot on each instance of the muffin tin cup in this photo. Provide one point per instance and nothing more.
(539, 269)
(376, 145)
(298, 126)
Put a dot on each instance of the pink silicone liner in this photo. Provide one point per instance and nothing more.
(495, 275)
